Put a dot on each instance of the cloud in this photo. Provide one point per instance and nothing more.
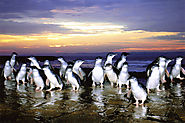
(179, 36)
(23, 28)
(155, 16)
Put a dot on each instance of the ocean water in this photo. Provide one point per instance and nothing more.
(137, 61)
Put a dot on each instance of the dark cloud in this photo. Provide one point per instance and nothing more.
(179, 36)
(158, 15)
(9, 27)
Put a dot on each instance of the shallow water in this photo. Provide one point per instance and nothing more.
(23, 104)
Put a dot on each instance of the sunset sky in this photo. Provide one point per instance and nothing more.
(84, 26)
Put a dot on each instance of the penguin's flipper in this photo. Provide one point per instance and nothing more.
(183, 71)
(89, 74)
(142, 86)
(59, 80)
(78, 78)
(116, 63)
(116, 70)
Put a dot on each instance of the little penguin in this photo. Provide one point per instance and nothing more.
(21, 74)
(161, 61)
(63, 67)
(123, 76)
(8, 70)
(153, 81)
(119, 63)
(162, 67)
(34, 62)
(73, 78)
(13, 59)
(53, 79)
(30, 73)
(39, 81)
(177, 69)
(138, 91)
(78, 70)
(111, 73)
(98, 72)
(109, 58)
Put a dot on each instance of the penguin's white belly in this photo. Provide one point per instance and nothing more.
(176, 72)
(111, 76)
(53, 80)
(97, 74)
(39, 81)
(72, 80)
(162, 71)
(7, 71)
(153, 82)
(21, 75)
(139, 93)
(123, 77)
(12, 62)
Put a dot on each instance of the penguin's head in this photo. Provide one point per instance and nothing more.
(132, 79)
(162, 58)
(124, 66)
(124, 54)
(61, 59)
(7, 63)
(24, 65)
(79, 62)
(99, 60)
(111, 55)
(179, 58)
(31, 58)
(46, 62)
(14, 54)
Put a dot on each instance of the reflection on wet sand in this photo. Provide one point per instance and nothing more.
(103, 104)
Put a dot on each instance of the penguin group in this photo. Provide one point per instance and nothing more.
(46, 77)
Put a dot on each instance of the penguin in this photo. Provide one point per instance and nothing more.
(123, 76)
(118, 64)
(149, 67)
(30, 73)
(109, 58)
(34, 62)
(138, 91)
(78, 70)
(98, 72)
(47, 63)
(111, 73)
(153, 80)
(8, 70)
(161, 61)
(162, 67)
(63, 67)
(53, 79)
(39, 81)
(177, 69)
(13, 59)
(21, 74)
(73, 78)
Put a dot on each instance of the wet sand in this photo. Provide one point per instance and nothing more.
(23, 104)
